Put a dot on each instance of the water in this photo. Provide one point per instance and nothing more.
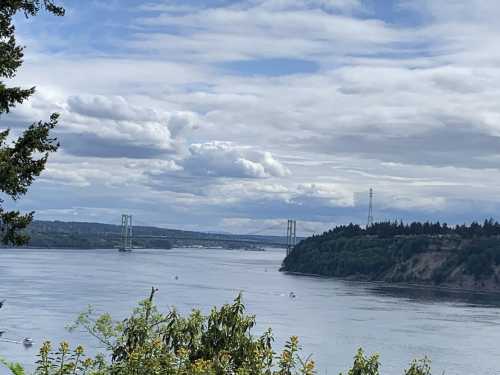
(46, 289)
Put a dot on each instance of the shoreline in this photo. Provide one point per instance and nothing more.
(135, 248)
(446, 288)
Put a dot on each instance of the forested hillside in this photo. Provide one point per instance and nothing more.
(431, 253)
(59, 234)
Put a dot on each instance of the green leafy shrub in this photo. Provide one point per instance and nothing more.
(67, 362)
(149, 342)
(419, 367)
(364, 365)
(14, 368)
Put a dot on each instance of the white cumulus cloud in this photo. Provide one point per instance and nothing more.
(225, 159)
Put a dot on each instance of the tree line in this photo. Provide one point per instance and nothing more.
(387, 229)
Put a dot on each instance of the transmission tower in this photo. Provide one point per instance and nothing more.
(370, 210)
(291, 235)
(126, 244)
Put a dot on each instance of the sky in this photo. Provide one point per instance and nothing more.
(238, 115)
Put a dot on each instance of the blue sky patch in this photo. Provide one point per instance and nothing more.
(270, 67)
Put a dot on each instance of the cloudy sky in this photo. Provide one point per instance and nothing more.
(236, 115)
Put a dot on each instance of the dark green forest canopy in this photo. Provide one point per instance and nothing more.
(24, 158)
(397, 228)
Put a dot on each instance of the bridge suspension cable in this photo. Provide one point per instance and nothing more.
(272, 227)
(127, 234)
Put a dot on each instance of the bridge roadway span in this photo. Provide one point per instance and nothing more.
(212, 239)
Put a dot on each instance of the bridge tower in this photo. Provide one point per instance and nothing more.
(291, 236)
(126, 244)
(369, 222)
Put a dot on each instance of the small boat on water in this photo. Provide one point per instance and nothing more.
(27, 342)
(292, 295)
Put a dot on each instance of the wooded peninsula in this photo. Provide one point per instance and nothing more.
(462, 256)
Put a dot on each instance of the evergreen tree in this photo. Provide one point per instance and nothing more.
(24, 158)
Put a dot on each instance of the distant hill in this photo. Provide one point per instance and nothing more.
(59, 234)
(463, 257)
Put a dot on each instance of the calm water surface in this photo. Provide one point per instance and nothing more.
(46, 289)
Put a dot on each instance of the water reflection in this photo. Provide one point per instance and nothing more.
(424, 294)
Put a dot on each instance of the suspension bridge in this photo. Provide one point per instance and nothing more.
(253, 238)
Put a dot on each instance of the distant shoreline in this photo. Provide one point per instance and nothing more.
(138, 248)
(87, 235)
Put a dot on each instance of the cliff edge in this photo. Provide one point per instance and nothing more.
(444, 260)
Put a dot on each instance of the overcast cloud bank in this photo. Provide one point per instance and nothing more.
(229, 116)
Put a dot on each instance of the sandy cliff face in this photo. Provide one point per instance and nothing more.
(422, 268)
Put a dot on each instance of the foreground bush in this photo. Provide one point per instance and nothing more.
(152, 343)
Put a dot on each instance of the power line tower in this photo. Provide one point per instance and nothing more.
(369, 222)
(291, 235)
(126, 244)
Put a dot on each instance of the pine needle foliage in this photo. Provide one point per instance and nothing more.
(24, 158)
